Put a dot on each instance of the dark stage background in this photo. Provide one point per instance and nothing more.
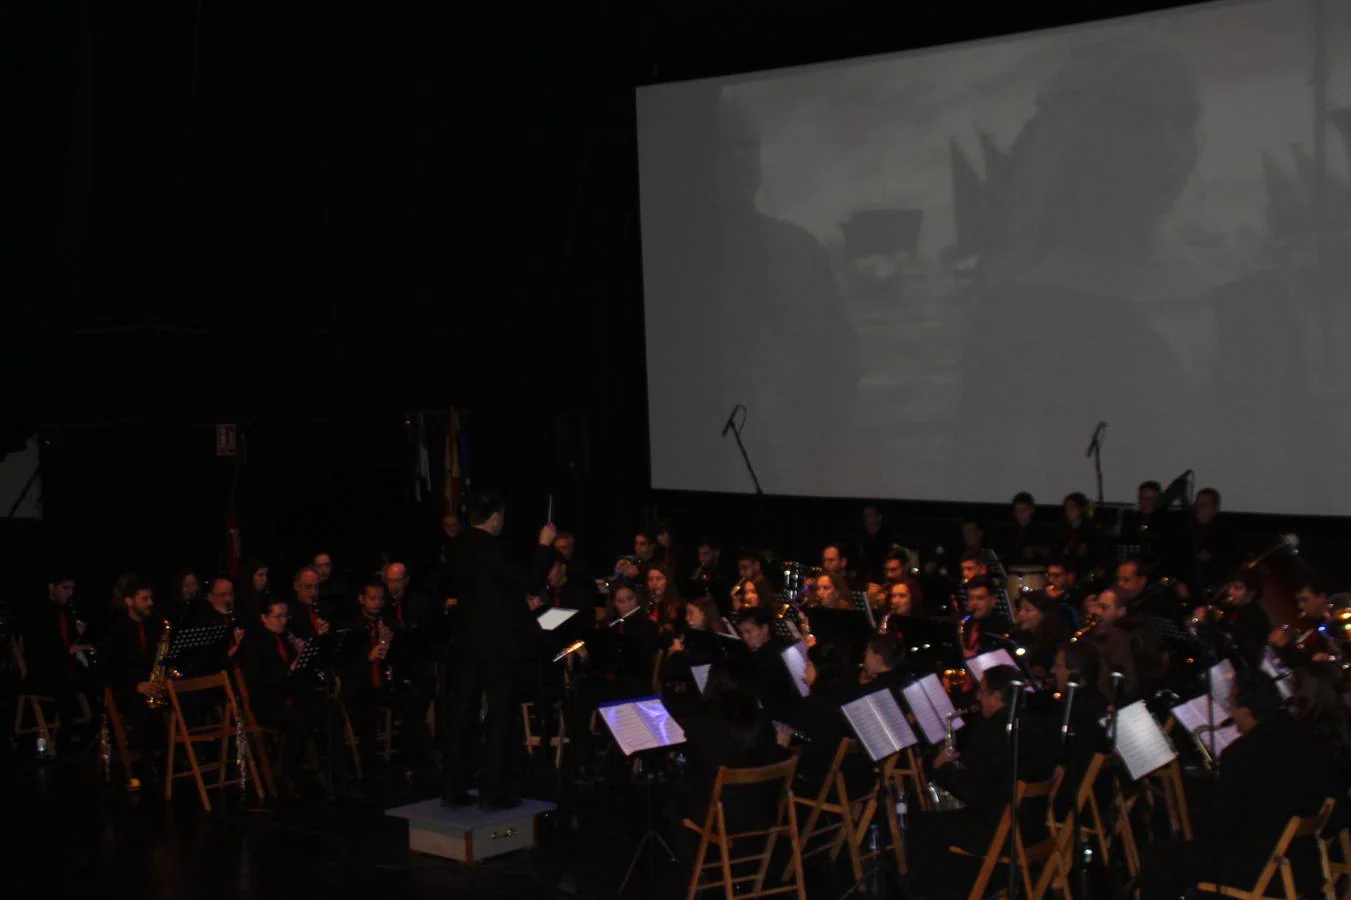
(310, 219)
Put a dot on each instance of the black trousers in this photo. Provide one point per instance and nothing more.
(295, 720)
(478, 680)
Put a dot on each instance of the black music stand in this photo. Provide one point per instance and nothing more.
(1068, 752)
(643, 726)
(190, 640)
(566, 707)
(321, 655)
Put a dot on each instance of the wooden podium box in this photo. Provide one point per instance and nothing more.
(467, 833)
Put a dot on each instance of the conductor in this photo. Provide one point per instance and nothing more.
(497, 631)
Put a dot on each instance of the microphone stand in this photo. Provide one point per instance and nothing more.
(1078, 875)
(1015, 690)
(1095, 451)
(735, 429)
(1118, 803)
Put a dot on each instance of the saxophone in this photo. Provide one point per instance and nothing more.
(940, 799)
(159, 674)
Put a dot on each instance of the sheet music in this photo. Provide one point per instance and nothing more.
(552, 618)
(700, 676)
(978, 664)
(1279, 673)
(729, 631)
(925, 714)
(868, 727)
(1195, 717)
(1140, 742)
(942, 703)
(1222, 685)
(641, 725)
(795, 657)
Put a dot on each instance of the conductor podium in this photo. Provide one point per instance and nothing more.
(469, 834)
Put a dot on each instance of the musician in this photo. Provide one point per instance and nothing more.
(376, 677)
(334, 591)
(59, 655)
(280, 697)
(833, 682)
(664, 601)
(1277, 768)
(636, 641)
(309, 618)
(1124, 643)
(128, 655)
(766, 673)
(1062, 583)
(218, 610)
(253, 591)
(979, 774)
(1079, 542)
(1024, 541)
(1317, 701)
(492, 592)
(973, 566)
(904, 599)
(985, 627)
(896, 569)
(708, 577)
(1215, 541)
(831, 592)
(1307, 640)
(835, 562)
(566, 546)
(1146, 525)
(1241, 619)
(746, 594)
(1041, 631)
(884, 663)
(695, 646)
(563, 591)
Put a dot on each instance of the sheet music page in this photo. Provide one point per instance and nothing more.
(642, 725)
(660, 723)
(1279, 673)
(552, 618)
(978, 664)
(795, 657)
(1223, 738)
(1221, 686)
(1191, 714)
(924, 712)
(1140, 742)
(867, 725)
(888, 711)
(729, 631)
(942, 703)
(700, 676)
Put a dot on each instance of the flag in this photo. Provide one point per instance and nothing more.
(422, 477)
(457, 478)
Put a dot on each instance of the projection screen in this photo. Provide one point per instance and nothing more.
(929, 276)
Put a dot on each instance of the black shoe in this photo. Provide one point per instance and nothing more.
(455, 800)
(500, 804)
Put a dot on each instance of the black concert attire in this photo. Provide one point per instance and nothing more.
(767, 677)
(981, 782)
(1278, 770)
(1217, 553)
(818, 717)
(679, 690)
(127, 656)
(281, 699)
(497, 629)
(217, 657)
(636, 640)
(368, 687)
(1024, 545)
(419, 618)
(1243, 631)
(1080, 546)
(306, 618)
(1130, 647)
(986, 634)
(53, 670)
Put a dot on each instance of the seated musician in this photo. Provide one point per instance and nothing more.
(746, 594)
(1303, 642)
(697, 646)
(1317, 701)
(1241, 619)
(985, 627)
(218, 610)
(728, 729)
(884, 663)
(128, 656)
(59, 656)
(309, 616)
(1277, 768)
(895, 569)
(973, 566)
(905, 598)
(1041, 632)
(832, 592)
(1062, 584)
(635, 645)
(978, 774)
(280, 698)
(376, 677)
(664, 601)
(833, 682)
(1124, 643)
(766, 674)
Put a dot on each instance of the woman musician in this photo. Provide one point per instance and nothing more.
(1042, 632)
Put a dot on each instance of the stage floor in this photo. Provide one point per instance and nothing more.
(72, 838)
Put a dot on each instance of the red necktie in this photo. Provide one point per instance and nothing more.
(140, 636)
(398, 610)
(281, 650)
(375, 666)
(314, 620)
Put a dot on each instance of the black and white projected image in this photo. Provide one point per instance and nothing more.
(931, 276)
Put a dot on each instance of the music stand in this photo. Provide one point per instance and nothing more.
(325, 652)
(643, 726)
(189, 640)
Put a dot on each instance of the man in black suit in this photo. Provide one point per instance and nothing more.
(498, 628)
(59, 654)
(128, 657)
(280, 697)
(1278, 768)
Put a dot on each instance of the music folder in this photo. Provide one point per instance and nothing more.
(552, 618)
(1140, 742)
(880, 725)
(700, 674)
(1222, 685)
(641, 724)
(931, 705)
(1278, 672)
(308, 654)
(795, 658)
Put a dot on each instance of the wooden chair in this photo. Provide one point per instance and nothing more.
(1046, 851)
(714, 833)
(1088, 815)
(1297, 827)
(258, 735)
(1341, 868)
(832, 813)
(43, 726)
(533, 741)
(222, 732)
(117, 733)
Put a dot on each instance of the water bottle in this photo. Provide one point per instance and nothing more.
(902, 811)
(42, 746)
